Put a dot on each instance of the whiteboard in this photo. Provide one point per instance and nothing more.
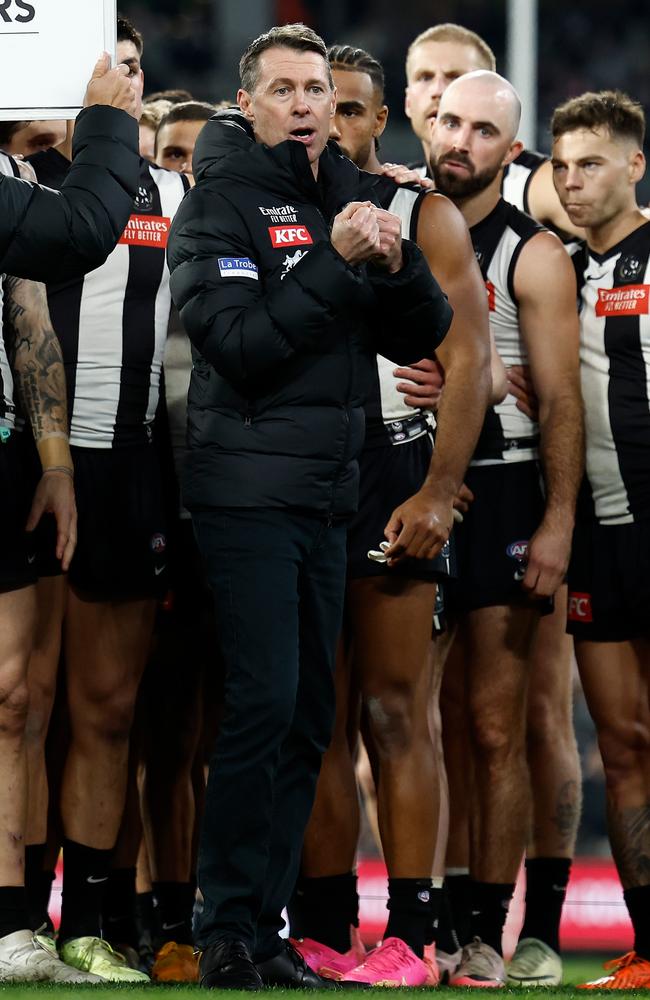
(48, 49)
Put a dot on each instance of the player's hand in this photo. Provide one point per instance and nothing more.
(55, 495)
(419, 528)
(390, 241)
(463, 499)
(111, 86)
(547, 560)
(425, 383)
(355, 232)
(405, 175)
(521, 386)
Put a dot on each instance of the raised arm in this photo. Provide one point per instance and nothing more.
(35, 355)
(550, 330)
(53, 236)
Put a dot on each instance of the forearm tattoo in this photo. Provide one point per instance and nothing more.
(35, 356)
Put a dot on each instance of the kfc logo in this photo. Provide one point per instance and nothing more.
(580, 608)
(289, 236)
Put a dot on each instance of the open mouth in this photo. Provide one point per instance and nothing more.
(305, 134)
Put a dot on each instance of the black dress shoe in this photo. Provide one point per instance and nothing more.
(227, 965)
(289, 970)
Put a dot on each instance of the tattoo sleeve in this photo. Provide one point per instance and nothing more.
(35, 356)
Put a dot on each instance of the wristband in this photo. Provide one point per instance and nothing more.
(54, 450)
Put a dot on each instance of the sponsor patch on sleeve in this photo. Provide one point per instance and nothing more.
(237, 267)
(580, 607)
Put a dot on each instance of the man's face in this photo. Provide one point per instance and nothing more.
(175, 145)
(471, 139)
(128, 54)
(292, 100)
(35, 137)
(360, 117)
(594, 175)
(431, 68)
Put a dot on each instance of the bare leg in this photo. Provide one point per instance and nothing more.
(17, 618)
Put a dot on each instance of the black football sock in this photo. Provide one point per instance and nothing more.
(458, 887)
(118, 919)
(14, 915)
(436, 906)
(546, 885)
(445, 934)
(410, 911)
(637, 901)
(34, 860)
(324, 908)
(490, 904)
(85, 876)
(174, 902)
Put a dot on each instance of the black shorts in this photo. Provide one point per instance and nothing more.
(121, 550)
(492, 541)
(389, 475)
(609, 581)
(42, 540)
(16, 559)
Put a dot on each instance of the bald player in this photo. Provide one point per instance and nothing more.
(513, 547)
(435, 59)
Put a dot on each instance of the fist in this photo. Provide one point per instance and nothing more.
(355, 233)
(390, 241)
(111, 86)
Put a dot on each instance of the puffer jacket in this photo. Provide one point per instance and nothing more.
(57, 235)
(285, 333)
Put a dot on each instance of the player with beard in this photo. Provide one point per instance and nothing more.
(385, 652)
(514, 544)
(598, 161)
(436, 58)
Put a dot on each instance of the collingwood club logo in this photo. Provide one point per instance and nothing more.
(629, 267)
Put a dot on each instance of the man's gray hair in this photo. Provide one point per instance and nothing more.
(288, 36)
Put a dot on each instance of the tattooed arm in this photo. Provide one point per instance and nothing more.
(35, 356)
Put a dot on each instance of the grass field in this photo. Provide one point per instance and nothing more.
(576, 970)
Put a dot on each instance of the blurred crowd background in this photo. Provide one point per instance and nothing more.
(582, 46)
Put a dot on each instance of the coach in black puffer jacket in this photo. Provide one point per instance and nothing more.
(286, 332)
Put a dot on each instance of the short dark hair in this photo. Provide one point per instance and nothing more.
(126, 32)
(190, 111)
(178, 96)
(610, 109)
(348, 57)
(8, 131)
(289, 36)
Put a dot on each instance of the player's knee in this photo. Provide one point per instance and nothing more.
(391, 720)
(41, 700)
(14, 704)
(623, 746)
(494, 735)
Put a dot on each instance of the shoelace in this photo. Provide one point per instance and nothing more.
(621, 963)
(383, 959)
(480, 961)
(99, 944)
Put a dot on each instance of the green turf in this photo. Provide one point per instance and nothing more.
(576, 970)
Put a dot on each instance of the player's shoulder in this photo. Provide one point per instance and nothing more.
(518, 221)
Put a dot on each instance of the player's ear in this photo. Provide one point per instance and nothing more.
(515, 149)
(380, 121)
(637, 166)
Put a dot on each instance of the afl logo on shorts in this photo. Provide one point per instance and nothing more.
(517, 550)
(158, 543)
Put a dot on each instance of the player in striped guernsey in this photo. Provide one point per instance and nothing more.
(435, 58)
(597, 161)
(112, 326)
(390, 608)
(513, 547)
